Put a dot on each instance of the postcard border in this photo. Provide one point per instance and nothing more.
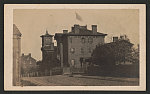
(8, 14)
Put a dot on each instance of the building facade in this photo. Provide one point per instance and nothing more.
(16, 55)
(28, 64)
(76, 46)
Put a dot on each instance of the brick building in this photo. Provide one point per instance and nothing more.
(28, 64)
(16, 55)
(74, 47)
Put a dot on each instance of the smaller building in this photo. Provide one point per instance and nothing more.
(28, 64)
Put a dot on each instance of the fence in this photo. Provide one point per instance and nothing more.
(54, 71)
(119, 70)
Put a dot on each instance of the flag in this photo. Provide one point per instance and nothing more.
(78, 17)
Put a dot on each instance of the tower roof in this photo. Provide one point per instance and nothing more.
(47, 34)
(16, 30)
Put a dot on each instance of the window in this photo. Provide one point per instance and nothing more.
(90, 40)
(83, 40)
(72, 50)
(82, 50)
(47, 41)
(70, 39)
(72, 62)
(30, 63)
(90, 50)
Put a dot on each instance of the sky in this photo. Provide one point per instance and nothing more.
(33, 23)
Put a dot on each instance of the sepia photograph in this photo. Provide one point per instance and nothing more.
(75, 47)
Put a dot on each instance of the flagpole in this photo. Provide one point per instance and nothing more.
(78, 18)
(75, 18)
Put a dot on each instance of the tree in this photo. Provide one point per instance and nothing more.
(110, 53)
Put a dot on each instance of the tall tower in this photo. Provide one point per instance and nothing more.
(16, 55)
(47, 52)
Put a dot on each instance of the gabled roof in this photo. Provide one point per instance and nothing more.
(26, 57)
(16, 30)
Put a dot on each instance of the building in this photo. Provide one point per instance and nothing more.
(16, 55)
(28, 64)
(48, 55)
(76, 46)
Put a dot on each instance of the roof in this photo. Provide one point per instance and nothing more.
(86, 32)
(117, 42)
(16, 30)
(47, 34)
(27, 57)
(83, 31)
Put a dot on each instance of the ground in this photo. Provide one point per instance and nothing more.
(79, 80)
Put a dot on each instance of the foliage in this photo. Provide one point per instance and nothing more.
(110, 53)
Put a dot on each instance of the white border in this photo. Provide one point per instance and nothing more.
(8, 32)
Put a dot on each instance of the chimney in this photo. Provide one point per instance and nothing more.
(121, 37)
(115, 39)
(72, 29)
(29, 54)
(94, 29)
(76, 28)
(65, 31)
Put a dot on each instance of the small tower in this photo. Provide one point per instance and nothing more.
(47, 52)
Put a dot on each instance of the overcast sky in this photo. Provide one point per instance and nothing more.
(33, 23)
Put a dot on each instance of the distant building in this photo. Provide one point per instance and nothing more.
(74, 47)
(16, 55)
(28, 64)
